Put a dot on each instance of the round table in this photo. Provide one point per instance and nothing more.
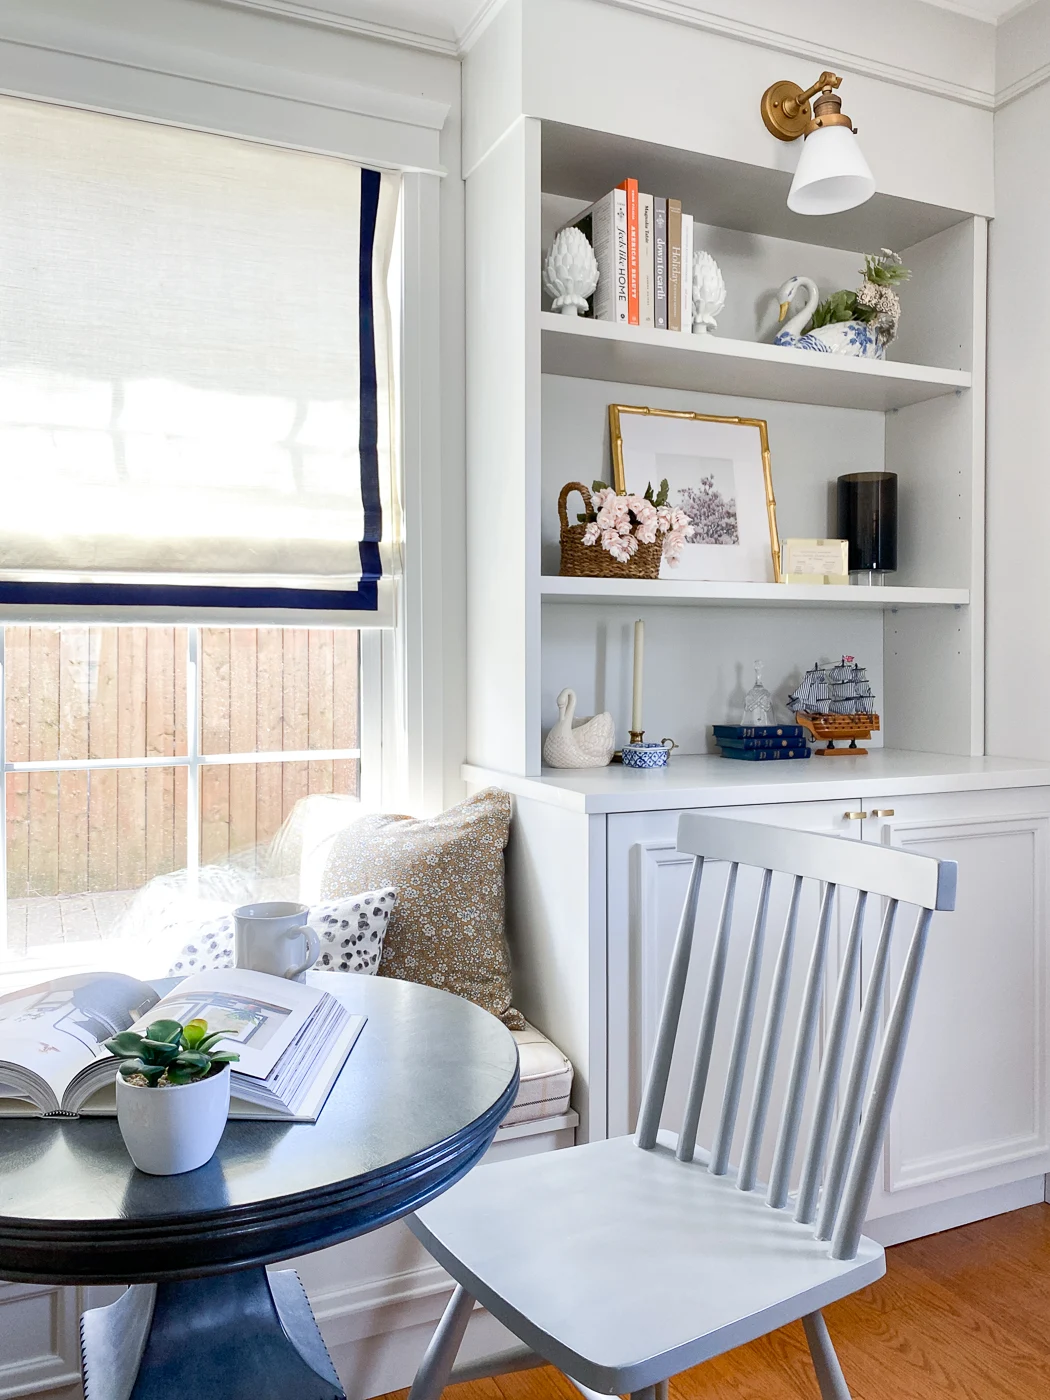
(416, 1106)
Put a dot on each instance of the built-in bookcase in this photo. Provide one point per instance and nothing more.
(540, 386)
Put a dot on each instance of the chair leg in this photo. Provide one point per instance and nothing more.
(826, 1364)
(437, 1363)
(663, 1390)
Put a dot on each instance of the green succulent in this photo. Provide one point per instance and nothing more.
(840, 306)
(883, 269)
(170, 1053)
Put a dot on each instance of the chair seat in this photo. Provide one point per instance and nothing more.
(623, 1267)
(546, 1079)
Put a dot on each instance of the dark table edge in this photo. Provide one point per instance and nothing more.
(118, 1253)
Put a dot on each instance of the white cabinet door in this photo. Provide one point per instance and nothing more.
(646, 890)
(971, 1107)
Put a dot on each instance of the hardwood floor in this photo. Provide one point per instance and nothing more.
(960, 1316)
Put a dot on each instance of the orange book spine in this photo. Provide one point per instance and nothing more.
(630, 187)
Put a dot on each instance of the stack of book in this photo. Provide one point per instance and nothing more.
(759, 742)
(643, 244)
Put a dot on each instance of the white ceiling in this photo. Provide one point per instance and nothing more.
(991, 10)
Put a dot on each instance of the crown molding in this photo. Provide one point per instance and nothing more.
(1017, 89)
(321, 15)
(483, 17)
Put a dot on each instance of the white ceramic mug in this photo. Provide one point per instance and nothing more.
(269, 937)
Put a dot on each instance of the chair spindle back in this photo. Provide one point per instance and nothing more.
(839, 1161)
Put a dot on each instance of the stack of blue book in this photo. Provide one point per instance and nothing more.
(760, 742)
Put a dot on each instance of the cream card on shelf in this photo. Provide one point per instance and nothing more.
(816, 561)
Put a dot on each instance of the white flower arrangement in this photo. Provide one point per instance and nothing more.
(620, 523)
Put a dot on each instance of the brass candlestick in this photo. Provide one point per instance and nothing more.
(637, 735)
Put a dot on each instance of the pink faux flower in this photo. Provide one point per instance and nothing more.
(621, 547)
(673, 542)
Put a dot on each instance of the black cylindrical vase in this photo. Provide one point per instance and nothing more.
(868, 520)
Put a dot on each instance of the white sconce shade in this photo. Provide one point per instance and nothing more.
(832, 173)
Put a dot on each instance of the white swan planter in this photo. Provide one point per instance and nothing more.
(587, 744)
(841, 338)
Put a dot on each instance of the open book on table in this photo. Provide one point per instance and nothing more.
(292, 1040)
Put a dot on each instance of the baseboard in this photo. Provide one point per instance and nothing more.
(964, 1210)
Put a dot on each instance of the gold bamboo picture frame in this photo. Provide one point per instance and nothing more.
(720, 462)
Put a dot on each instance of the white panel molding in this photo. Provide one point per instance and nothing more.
(25, 1369)
(651, 858)
(351, 1312)
(902, 1172)
(924, 1171)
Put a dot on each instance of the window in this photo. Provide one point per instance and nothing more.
(131, 752)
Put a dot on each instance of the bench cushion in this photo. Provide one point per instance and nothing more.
(546, 1079)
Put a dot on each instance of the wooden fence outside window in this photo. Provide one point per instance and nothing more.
(120, 692)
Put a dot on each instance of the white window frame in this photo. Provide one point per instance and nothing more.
(194, 760)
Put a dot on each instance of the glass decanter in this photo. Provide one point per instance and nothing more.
(758, 703)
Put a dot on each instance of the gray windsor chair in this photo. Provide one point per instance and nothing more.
(627, 1261)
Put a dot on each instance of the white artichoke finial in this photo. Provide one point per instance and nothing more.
(570, 272)
(709, 292)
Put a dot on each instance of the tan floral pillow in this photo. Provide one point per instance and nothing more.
(447, 929)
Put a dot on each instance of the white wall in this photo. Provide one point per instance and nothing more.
(1018, 500)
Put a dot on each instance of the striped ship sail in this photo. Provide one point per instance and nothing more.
(836, 690)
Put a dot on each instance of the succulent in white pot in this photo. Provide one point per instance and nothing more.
(173, 1094)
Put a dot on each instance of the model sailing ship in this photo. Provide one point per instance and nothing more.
(836, 702)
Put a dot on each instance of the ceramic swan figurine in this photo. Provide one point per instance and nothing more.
(840, 338)
(587, 744)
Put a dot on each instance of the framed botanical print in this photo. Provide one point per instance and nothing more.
(717, 471)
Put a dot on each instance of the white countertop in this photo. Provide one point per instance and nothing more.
(708, 780)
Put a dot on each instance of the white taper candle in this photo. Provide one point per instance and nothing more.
(639, 662)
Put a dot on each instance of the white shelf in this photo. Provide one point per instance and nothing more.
(585, 349)
(685, 591)
(708, 780)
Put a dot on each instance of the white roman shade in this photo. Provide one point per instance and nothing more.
(196, 394)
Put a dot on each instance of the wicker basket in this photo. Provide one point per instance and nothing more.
(579, 560)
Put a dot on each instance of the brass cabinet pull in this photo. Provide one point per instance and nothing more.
(854, 816)
(883, 812)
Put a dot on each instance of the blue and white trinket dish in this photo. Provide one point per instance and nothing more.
(648, 755)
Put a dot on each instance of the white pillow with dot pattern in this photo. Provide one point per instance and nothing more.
(351, 931)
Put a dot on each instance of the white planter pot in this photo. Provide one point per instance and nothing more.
(175, 1128)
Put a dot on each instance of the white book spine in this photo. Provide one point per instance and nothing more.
(620, 226)
(603, 241)
(646, 262)
(687, 274)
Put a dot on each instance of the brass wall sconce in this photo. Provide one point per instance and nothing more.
(832, 174)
